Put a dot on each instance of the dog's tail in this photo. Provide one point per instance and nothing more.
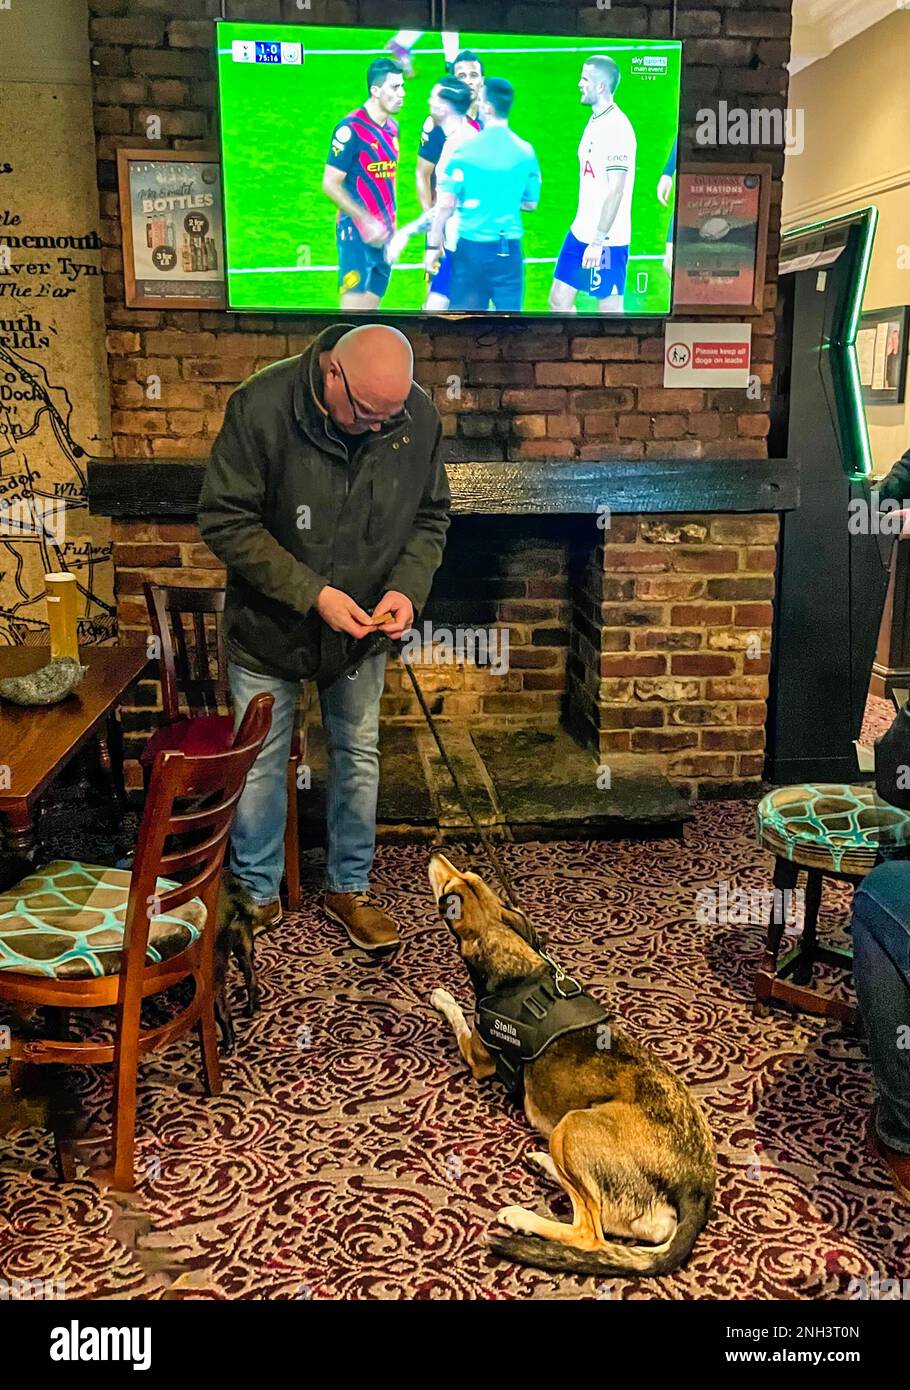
(613, 1258)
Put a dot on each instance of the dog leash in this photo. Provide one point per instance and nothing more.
(462, 795)
(372, 646)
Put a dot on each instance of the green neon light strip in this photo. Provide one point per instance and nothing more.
(857, 431)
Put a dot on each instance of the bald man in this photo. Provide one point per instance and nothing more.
(326, 498)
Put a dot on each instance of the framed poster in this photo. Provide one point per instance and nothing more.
(881, 351)
(721, 238)
(171, 219)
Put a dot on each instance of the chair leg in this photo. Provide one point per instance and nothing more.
(124, 1137)
(808, 946)
(292, 841)
(786, 874)
(126, 1065)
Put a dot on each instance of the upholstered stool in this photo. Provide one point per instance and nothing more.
(832, 830)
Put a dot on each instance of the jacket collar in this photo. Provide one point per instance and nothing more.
(311, 414)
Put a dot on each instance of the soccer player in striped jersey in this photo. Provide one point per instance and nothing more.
(359, 178)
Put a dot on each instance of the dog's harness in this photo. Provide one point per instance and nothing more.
(519, 1021)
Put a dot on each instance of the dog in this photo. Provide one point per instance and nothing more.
(234, 937)
(627, 1141)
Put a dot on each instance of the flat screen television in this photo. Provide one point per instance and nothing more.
(393, 171)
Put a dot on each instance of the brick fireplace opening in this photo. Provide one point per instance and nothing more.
(566, 639)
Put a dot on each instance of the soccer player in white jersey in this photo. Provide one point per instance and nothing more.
(595, 254)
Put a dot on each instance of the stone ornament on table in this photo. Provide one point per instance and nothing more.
(46, 686)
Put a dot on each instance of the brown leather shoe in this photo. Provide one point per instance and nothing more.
(366, 926)
(897, 1163)
(266, 916)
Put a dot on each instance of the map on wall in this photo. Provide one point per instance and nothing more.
(54, 405)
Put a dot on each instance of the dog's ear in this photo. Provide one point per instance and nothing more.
(519, 923)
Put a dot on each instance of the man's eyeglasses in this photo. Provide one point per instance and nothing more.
(360, 416)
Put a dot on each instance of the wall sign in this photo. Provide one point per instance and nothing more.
(881, 351)
(171, 219)
(707, 354)
(721, 238)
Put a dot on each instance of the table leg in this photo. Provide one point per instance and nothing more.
(20, 845)
(115, 745)
(109, 742)
(20, 834)
(111, 777)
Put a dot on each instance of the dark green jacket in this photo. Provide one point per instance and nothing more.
(288, 512)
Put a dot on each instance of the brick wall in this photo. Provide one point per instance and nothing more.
(676, 601)
(670, 645)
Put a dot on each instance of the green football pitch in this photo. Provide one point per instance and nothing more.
(277, 120)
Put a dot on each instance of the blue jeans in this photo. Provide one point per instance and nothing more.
(350, 716)
(881, 970)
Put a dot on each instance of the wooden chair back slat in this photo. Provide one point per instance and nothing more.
(186, 822)
(193, 669)
(178, 860)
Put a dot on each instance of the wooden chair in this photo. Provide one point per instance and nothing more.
(195, 695)
(827, 830)
(81, 936)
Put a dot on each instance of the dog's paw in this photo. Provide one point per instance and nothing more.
(516, 1218)
(442, 1001)
(539, 1161)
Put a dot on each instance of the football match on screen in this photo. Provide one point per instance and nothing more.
(382, 170)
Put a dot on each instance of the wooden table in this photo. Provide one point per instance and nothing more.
(37, 742)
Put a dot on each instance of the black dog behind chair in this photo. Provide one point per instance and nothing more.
(234, 938)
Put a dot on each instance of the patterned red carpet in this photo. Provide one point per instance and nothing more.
(351, 1155)
(877, 720)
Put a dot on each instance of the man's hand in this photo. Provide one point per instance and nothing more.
(401, 614)
(592, 254)
(373, 231)
(896, 485)
(396, 244)
(432, 259)
(339, 612)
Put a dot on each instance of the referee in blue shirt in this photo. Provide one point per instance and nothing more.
(489, 182)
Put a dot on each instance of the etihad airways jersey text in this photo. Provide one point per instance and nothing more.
(368, 154)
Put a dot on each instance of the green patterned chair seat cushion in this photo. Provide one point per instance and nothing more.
(66, 921)
(832, 825)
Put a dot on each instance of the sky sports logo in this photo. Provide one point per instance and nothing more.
(76, 1343)
(650, 65)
